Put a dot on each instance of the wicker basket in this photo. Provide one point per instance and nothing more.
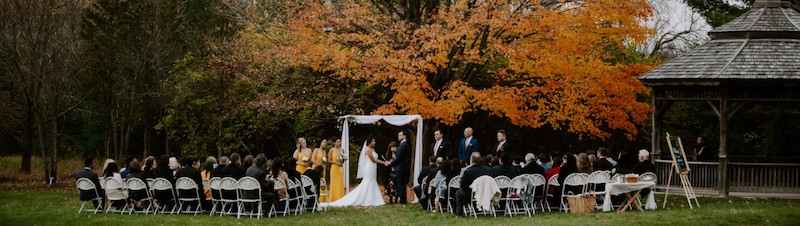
(581, 204)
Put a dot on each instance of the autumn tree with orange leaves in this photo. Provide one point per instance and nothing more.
(535, 63)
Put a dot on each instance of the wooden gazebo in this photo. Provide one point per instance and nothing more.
(754, 58)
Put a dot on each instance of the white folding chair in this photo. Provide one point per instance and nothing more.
(452, 187)
(323, 192)
(310, 191)
(472, 206)
(502, 183)
(115, 192)
(229, 196)
(86, 186)
(648, 176)
(295, 195)
(137, 188)
(517, 189)
(187, 193)
(284, 202)
(536, 181)
(441, 184)
(572, 180)
(215, 184)
(551, 183)
(102, 182)
(249, 191)
(596, 185)
(163, 187)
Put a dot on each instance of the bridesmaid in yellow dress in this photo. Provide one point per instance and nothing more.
(320, 159)
(302, 155)
(336, 185)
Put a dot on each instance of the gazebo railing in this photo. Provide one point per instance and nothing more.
(742, 177)
(703, 175)
(764, 177)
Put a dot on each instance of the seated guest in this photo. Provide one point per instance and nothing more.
(174, 165)
(234, 169)
(278, 172)
(217, 172)
(87, 173)
(504, 168)
(163, 170)
(205, 173)
(267, 187)
(544, 161)
(517, 161)
(149, 169)
(627, 160)
(428, 172)
(602, 163)
(135, 171)
(530, 165)
(555, 169)
(247, 162)
(568, 167)
(119, 194)
(644, 165)
(124, 170)
(477, 169)
(190, 168)
(584, 165)
(443, 171)
(315, 174)
(166, 198)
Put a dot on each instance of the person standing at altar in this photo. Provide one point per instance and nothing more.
(467, 145)
(336, 158)
(502, 145)
(440, 147)
(400, 166)
(390, 185)
(302, 155)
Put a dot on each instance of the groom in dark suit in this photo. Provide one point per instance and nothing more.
(400, 166)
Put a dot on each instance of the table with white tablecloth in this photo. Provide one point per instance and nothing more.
(624, 188)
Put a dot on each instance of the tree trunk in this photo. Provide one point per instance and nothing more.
(146, 146)
(27, 139)
(54, 148)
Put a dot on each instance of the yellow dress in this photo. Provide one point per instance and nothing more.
(318, 158)
(336, 185)
(302, 168)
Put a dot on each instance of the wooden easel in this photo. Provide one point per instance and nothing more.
(681, 165)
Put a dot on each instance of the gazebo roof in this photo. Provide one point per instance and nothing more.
(761, 45)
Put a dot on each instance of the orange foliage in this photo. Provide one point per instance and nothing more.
(531, 63)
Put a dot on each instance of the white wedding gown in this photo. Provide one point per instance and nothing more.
(368, 193)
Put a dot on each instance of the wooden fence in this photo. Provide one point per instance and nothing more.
(742, 177)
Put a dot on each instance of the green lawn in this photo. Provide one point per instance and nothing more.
(59, 207)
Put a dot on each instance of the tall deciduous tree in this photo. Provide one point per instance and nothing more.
(537, 63)
(39, 48)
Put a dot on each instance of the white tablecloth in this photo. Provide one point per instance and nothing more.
(621, 188)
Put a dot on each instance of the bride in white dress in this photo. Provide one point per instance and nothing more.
(368, 193)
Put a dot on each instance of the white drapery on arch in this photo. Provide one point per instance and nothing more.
(395, 120)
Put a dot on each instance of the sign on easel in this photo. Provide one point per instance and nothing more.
(680, 165)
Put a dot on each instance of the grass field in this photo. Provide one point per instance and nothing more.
(59, 207)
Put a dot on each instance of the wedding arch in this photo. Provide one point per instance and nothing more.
(395, 120)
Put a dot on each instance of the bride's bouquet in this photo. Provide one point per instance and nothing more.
(341, 158)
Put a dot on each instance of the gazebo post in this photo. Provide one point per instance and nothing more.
(722, 173)
(660, 108)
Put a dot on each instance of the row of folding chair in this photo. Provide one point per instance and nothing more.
(518, 195)
(228, 195)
